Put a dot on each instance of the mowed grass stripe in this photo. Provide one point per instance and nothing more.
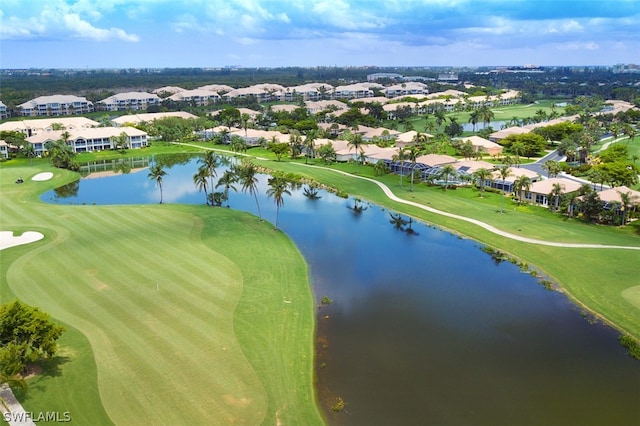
(116, 313)
(272, 316)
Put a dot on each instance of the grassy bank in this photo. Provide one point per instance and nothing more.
(193, 315)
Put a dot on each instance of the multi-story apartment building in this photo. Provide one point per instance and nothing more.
(45, 106)
(4, 113)
(134, 101)
(89, 139)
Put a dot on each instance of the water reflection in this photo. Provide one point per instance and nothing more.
(427, 329)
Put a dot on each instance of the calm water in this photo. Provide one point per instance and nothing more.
(425, 328)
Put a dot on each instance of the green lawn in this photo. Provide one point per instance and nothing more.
(193, 315)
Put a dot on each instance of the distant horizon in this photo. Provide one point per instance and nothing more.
(399, 67)
(121, 34)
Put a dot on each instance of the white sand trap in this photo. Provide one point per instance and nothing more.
(42, 176)
(8, 240)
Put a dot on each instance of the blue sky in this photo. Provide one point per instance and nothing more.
(272, 33)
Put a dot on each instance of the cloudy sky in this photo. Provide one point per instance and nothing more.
(272, 33)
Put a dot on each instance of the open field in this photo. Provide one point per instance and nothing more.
(193, 315)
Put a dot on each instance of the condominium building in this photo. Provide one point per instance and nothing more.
(55, 105)
(89, 139)
(134, 101)
(196, 97)
(4, 113)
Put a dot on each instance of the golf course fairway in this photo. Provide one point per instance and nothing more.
(194, 315)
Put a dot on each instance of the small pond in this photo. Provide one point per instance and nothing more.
(425, 328)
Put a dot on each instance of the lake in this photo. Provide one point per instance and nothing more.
(425, 327)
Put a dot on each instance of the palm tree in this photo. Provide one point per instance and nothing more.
(380, 168)
(440, 116)
(200, 180)
(412, 154)
(399, 158)
(227, 180)
(356, 142)
(552, 168)
(156, 173)
(522, 183)
(446, 172)
(486, 115)
(474, 117)
(482, 174)
(625, 198)
(247, 172)
(278, 186)
(504, 172)
(556, 192)
(210, 161)
(244, 119)
(309, 146)
(28, 151)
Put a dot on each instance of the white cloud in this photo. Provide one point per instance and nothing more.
(58, 19)
(578, 45)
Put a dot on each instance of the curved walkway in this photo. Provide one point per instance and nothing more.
(387, 191)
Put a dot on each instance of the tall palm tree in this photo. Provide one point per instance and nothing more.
(474, 117)
(210, 162)
(356, 142)
(486, 115)
(309, 145)
(156, 173)
(556, 193)
(504, 172)
(227, 180)
(413, 152)
(247, 172)
(400, 157)
(482, 174)
(625, 198)
(278, 187)
(440, 116)
(446, 172)
(522, 183)
(200, 180)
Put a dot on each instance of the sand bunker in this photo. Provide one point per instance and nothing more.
(42, 176)
(8, 240)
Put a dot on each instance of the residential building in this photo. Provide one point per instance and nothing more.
(383, 75)
(149, 117)
(356, 91)
(89, 139)
(134, 101)
(45, 106)
(406, 89)
(262, 92)
(514, 173)
(40, 125)
(170, 90)
(4, 149)
(539, 192)
(306, 92)
(483, 145)
(4, 113)
(196, 97)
